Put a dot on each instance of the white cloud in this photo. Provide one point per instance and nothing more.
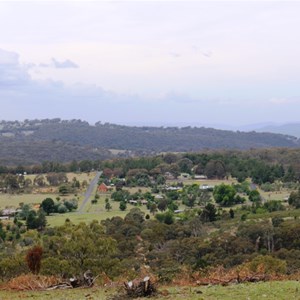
(65, 64)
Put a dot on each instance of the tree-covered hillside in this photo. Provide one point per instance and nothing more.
(55, 139)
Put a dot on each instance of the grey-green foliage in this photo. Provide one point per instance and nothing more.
(61, 209)
(80, 247)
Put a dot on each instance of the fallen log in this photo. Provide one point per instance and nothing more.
(59, 286)
(86, 280)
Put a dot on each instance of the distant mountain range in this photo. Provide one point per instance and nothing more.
(33, 141)
(289, 129)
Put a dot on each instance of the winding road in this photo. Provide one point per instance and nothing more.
(89, 192)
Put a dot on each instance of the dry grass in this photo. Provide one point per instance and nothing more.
(81, 176)
(278, 195)
(9, 200)
(212, 182)
(221, 276)
(30, 282)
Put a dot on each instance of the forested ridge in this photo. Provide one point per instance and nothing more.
(34, 141)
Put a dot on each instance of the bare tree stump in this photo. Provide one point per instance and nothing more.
(140, 288)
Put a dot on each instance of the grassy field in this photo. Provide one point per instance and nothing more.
(14, 200)
(93, 212)
(96, 211)
(79, 176)
(211, 182)
(283, 290)
(280, 195)
(76, 218)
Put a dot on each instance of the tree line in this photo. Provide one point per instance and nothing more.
(263, 166)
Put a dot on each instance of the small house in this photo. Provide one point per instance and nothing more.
(173, 188)
(178, 211)
(103, 188)
(133, 202)
(200, 177)
(206, 187)
(169, 176)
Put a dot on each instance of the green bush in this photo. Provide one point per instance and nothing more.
(62, 209)
(268, 265)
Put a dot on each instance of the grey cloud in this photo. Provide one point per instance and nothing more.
(8, 58)
(12, 73)
(43, 99)
(23, 97)
(64, 64)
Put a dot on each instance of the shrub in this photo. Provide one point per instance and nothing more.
(57, 266)
(268, 265)
(12, 267)
(62, 209)
(71, 204)
(94, 201)
(123, 205)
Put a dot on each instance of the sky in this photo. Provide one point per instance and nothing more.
(222, 63)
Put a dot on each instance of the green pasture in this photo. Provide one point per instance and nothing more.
(13, 200)
(93, 212)
(80, 176)
(280, 290)
(212, 182)
(279, 195)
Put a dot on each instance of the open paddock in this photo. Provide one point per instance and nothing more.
(14, 200)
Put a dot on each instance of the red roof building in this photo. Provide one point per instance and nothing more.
(103, 188)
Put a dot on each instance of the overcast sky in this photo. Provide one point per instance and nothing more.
(162, 62)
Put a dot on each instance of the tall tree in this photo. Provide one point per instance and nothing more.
(48, 206)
